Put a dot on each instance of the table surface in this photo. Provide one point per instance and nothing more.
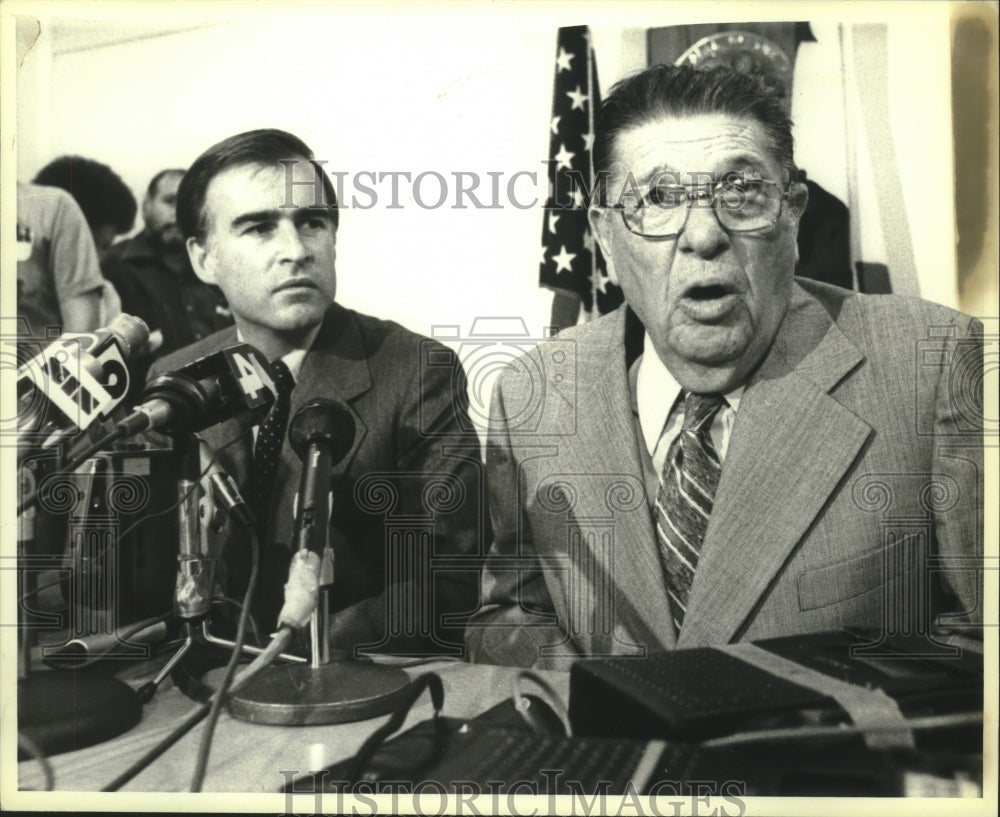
(256, 758)
(249, 757)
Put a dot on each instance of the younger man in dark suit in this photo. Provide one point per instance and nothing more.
(260, 218)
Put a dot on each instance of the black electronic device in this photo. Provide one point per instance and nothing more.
(117, 538)
(499, 754)
(734, 721)
(703, 693)
(100, 556)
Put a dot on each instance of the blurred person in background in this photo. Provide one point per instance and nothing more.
(59, 281)
(154, 278)
(106, 202)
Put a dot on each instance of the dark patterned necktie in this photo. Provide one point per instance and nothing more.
(267, 449)
(684, 500)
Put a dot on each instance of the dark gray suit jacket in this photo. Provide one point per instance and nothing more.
(851, 492)
(408, 515)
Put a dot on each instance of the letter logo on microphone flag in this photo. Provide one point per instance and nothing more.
(58, 373)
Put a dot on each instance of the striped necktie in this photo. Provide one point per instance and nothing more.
(684, 499)
(267, 449)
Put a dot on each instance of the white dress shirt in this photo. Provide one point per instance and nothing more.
(293, 360)
(661, 414)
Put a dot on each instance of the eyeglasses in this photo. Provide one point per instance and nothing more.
(740, 205)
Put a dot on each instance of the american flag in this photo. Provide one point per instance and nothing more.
(571, 261)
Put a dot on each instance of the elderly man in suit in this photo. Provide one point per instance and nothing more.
(734, 454)
(260, 219)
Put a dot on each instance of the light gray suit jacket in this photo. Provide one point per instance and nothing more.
(851, 493)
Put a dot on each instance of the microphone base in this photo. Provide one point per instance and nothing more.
(68, 710)
(300, 695)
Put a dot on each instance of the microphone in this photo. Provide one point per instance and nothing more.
(322, 691)
(87, 649)
(222, 488)
(196, 555)
(75, 380)
(208, 391)
(321, 433)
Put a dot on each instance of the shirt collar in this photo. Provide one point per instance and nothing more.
(293, 360)
(656, 392)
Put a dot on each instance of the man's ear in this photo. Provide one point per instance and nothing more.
(600, 226)
(600, 219)
(202, 261)
(798, 198)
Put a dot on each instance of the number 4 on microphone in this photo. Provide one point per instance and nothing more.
(254, 380)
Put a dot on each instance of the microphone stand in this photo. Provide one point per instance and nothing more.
(324, 691)
(196, 565)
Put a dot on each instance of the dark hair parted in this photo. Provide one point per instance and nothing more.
(266, 146)
(680, 90)
(103, 197)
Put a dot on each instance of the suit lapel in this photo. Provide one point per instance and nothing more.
(607, 454)
(336, 368)
(791, 446)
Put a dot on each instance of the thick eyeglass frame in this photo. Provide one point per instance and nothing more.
(699, 192)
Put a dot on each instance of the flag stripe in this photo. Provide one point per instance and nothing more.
(571, 262)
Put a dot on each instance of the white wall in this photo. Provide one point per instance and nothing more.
(373, 91)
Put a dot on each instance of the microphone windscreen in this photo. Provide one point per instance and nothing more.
(131, 330)
(322, 421)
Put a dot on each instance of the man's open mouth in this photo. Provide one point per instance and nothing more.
(708, 293)
(709, 302)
